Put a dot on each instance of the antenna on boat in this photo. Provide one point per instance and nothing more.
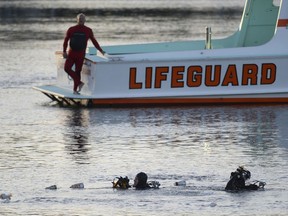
(208, 44)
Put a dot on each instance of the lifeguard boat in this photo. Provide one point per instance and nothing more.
(251, 66)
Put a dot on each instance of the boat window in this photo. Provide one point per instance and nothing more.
(276, 2)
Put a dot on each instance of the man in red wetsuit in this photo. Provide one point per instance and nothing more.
(78, 36)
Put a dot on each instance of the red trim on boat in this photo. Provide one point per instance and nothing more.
(175, 101)
(282, 23)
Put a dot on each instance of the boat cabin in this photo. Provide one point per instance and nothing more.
(257, 27)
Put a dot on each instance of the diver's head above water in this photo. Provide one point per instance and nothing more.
(140, 181)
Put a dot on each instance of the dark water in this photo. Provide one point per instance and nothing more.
(43, 144)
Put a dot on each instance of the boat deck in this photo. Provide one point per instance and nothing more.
(63, 95)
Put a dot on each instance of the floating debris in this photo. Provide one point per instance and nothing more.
(213, 204)
(5, 196)
(52, 187)
(77, 186)
(180, 183)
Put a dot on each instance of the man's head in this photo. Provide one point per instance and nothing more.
(140, 181)
(81, 19)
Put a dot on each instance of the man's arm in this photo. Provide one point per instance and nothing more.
(65, 43)
(95, 43)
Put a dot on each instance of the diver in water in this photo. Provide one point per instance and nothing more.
(238, 179)
(140, 182)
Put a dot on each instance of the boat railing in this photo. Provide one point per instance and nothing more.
(208, 43)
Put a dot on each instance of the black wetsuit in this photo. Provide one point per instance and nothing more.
(237, 182)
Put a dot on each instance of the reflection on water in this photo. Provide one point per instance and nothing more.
(76, 136)
(254, 127)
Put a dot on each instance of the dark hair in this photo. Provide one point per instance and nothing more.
(142, 180)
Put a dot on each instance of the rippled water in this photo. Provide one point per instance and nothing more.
(43, 144)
